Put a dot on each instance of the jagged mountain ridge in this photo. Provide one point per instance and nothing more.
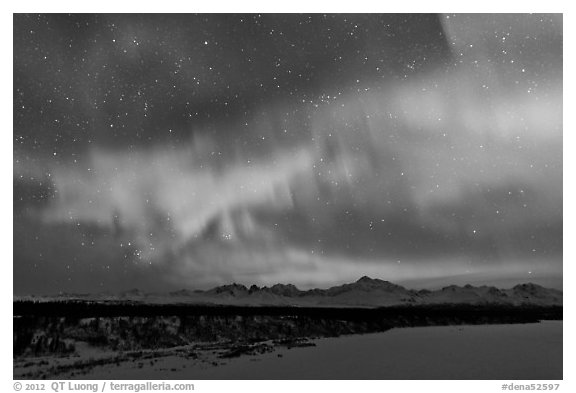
(365, 292)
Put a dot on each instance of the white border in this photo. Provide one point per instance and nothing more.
(491, 6)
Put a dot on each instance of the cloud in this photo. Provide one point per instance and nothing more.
(211, 264)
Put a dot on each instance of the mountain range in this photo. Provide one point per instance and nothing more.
(365, 292)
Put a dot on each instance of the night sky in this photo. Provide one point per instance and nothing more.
(185, 151)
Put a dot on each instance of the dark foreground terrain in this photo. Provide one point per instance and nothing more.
(71, 338)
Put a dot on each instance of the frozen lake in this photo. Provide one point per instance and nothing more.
(520, 351)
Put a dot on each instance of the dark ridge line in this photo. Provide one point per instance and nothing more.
(82, 309)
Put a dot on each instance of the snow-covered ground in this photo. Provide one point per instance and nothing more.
(520, 351)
